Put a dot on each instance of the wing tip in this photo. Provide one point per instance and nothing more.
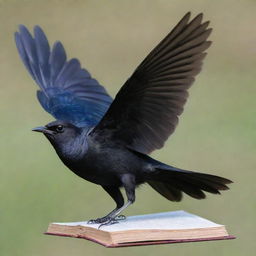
(208, 44)
(187, 15)
(21, 26)
(38, 30)
(206, 23)
(199, 16)
(57, 44)
(23, 29)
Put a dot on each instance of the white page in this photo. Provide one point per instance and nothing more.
(164, 221)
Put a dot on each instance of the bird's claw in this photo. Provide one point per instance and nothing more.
(109, 222)
(98, 221)
(105, 221)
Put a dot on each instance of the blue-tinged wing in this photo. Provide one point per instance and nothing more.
(67, 91)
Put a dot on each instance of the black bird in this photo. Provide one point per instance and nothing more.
(107, 141)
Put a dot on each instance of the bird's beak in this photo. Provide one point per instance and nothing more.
(42, 129)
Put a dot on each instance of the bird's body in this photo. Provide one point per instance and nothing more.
(107, 141)
(100, 161)
(104, 163)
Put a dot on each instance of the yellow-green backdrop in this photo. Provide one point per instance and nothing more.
(216, 133)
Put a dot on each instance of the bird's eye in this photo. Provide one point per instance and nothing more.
(59, 128)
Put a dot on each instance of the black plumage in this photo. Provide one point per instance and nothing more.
(107, 142)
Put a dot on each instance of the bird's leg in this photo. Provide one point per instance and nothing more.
(128, 181)
(115, 193)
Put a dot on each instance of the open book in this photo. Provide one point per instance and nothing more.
(158, 228)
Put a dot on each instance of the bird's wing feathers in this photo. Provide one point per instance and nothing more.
(146, 109)
(67, 91)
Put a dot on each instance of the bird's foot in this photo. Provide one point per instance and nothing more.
(99, 220)
(107, 220)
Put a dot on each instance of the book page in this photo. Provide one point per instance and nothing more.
(166, 221)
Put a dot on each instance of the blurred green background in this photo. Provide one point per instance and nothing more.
(216, 133)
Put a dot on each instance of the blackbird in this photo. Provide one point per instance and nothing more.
(108, 141)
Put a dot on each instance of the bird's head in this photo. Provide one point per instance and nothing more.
(59, 133)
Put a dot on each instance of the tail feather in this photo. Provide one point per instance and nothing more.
(166, 190)
(170, 182)
(190, 189)
(219, 182)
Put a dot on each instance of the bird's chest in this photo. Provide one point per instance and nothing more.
(103, 166)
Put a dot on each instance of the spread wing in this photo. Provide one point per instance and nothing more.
(67, 91)
(146, 109)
